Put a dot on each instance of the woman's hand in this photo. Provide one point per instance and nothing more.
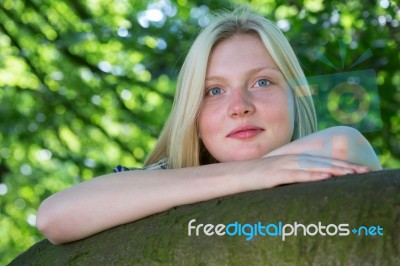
(277, 170)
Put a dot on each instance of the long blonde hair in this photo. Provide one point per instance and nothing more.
(179, 140)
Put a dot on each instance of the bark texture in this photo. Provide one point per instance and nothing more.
(357, 200)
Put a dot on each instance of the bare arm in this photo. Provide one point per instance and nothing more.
(115, 199)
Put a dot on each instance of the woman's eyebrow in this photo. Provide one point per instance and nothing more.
(259, 69)
(251, 71)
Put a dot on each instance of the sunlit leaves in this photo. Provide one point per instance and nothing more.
(86, 85)
(314, 5)
(14, 72)
(70, 139)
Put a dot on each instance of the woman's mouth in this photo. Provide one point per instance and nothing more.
(245, 132)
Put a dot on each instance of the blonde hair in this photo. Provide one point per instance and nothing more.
(179, 141)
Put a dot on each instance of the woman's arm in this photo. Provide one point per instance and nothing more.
(115, 199)
(341, 142)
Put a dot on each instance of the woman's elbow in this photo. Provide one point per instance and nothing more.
(349, 144)
(46, 223)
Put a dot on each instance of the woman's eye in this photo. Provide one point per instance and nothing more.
(262, 83)
(214, 91)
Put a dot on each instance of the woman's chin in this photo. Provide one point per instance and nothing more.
(243, 157)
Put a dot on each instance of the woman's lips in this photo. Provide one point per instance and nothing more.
(245, 132)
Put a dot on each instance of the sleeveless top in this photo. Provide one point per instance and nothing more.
(161, 164)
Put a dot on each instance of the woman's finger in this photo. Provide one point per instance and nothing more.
(335, 166)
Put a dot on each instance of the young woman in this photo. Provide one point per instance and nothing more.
(242, 120)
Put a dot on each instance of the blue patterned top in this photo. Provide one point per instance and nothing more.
(161, 164)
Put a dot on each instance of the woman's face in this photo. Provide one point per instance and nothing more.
(245, 113)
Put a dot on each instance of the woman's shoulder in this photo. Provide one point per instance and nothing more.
(161, 164)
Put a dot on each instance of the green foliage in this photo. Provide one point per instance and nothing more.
(87, 85)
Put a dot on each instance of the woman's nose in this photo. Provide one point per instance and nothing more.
(241, 104)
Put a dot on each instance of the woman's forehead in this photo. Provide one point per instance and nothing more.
(238, 53)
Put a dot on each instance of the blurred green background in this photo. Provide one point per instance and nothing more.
(86, 85)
